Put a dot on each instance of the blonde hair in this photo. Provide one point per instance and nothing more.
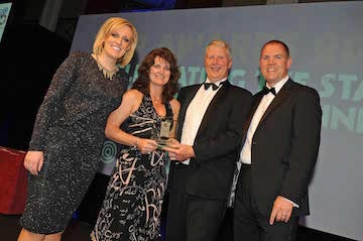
(220, 43)
(107, 27)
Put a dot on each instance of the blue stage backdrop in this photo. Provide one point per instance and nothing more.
(326, 46)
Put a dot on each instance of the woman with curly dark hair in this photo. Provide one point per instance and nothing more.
(132, 206)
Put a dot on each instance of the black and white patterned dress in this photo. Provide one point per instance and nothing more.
(132, 206)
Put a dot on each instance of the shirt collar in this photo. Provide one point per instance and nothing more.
(218, 83)
(279, 84)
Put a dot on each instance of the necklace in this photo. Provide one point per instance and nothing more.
(106, 73)
(156, 100)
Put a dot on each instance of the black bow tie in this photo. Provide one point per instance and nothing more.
(266, 90)
(207, 85)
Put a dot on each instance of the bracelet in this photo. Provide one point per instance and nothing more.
(137, 142)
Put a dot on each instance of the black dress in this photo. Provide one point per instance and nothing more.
(132, 206)
(69, 129)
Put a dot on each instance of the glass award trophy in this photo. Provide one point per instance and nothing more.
(162, 136)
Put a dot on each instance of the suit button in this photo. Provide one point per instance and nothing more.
(254, 142)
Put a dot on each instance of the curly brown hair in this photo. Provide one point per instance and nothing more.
(142, 82)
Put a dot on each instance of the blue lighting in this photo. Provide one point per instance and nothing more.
(148, 5)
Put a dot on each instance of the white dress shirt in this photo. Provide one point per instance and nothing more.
(266, 100)
(245, 156)
(195, 113)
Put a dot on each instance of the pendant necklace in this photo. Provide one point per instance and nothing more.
(156, 100)
(109, 74)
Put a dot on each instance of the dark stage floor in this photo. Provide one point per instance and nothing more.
(80, 230)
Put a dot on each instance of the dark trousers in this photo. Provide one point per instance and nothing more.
(191, 218)
(252, 225)
(226, 230)
(175, 224)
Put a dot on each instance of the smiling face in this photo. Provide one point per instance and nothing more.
(117, 42)
(274, 63)
(217, 63)
(159, 72)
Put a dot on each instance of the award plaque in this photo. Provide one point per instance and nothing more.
(162, 136)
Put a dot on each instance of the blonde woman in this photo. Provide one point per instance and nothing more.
(69, 130)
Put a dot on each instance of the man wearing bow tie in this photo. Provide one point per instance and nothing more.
(278, 154)
(209, 130)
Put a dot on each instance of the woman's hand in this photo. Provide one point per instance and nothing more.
(33, 161)
(146, 146)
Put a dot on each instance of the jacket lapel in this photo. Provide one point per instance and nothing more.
(186, 99)
(256, 102)
(278, 100)
(217, 99)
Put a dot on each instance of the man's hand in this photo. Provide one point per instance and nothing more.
(178, 151)
(281, 211)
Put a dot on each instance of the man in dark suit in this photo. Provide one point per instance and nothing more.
(209, 130)
(279, 152)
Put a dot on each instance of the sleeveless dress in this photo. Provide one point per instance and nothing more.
(69, 129)
(132, 206)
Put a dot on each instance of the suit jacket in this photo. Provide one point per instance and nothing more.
(216, 144)
(285, 146)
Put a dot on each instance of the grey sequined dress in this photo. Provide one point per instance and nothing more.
(69, 129)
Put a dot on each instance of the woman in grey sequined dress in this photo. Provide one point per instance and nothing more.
(68, 133)
(132, 206)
